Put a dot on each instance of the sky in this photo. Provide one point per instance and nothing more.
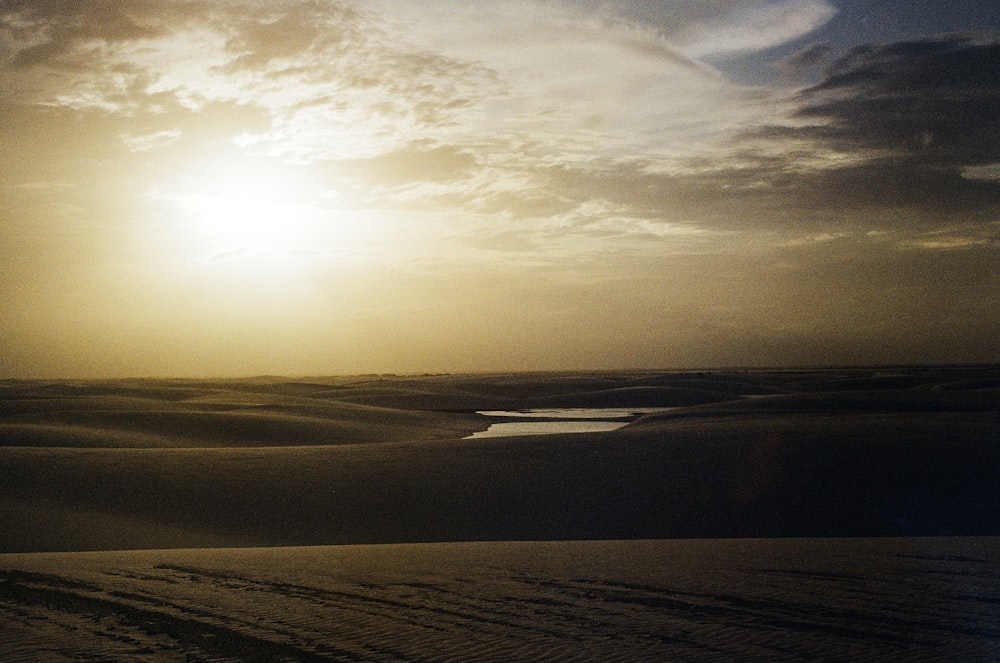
(238, 187)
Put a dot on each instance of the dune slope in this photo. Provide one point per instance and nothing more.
(263, 462)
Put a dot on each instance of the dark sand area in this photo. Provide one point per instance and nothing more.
(277, 462)
(901, 599)
(778, 515)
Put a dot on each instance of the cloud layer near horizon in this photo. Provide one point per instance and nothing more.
(315, 187)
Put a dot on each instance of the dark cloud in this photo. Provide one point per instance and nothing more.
(884, 140)
(935, 101)
(57, 29)
(812, 56)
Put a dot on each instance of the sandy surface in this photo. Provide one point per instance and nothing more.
(186, 463)
(270, 484)
(753, 599)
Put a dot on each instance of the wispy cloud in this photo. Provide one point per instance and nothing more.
(151, 141)
(752, 26)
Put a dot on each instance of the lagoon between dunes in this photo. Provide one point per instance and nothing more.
(785, 514)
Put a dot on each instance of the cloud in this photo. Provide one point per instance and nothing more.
(573, 78)
(578, 117)
(814, 55)
(61, 33)
(988, 172)
(752, 26)
(935, 101)
(532, 83)
(900, 136)
(326, 72)
(285, 33)
(415, 164)
(151, 141)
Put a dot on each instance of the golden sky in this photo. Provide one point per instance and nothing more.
(238, 187)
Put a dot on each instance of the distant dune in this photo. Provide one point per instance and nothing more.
(270, 461)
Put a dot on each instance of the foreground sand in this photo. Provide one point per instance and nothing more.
(752, 599)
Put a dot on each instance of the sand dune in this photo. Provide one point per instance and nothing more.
(639, 396)
(230, 418)
(756, 599)
(248, 471)
(274, 462)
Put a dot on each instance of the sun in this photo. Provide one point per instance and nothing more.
(244, 212)
(239, 224)
(247, 218)
(246, 208)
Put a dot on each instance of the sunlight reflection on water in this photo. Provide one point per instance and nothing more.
(574, 412)
(546, 428)
(570, 420)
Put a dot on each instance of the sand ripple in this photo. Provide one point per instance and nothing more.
(796, 599)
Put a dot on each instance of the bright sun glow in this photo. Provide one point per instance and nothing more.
(248, 209)
(259, 215)
(248, 220)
